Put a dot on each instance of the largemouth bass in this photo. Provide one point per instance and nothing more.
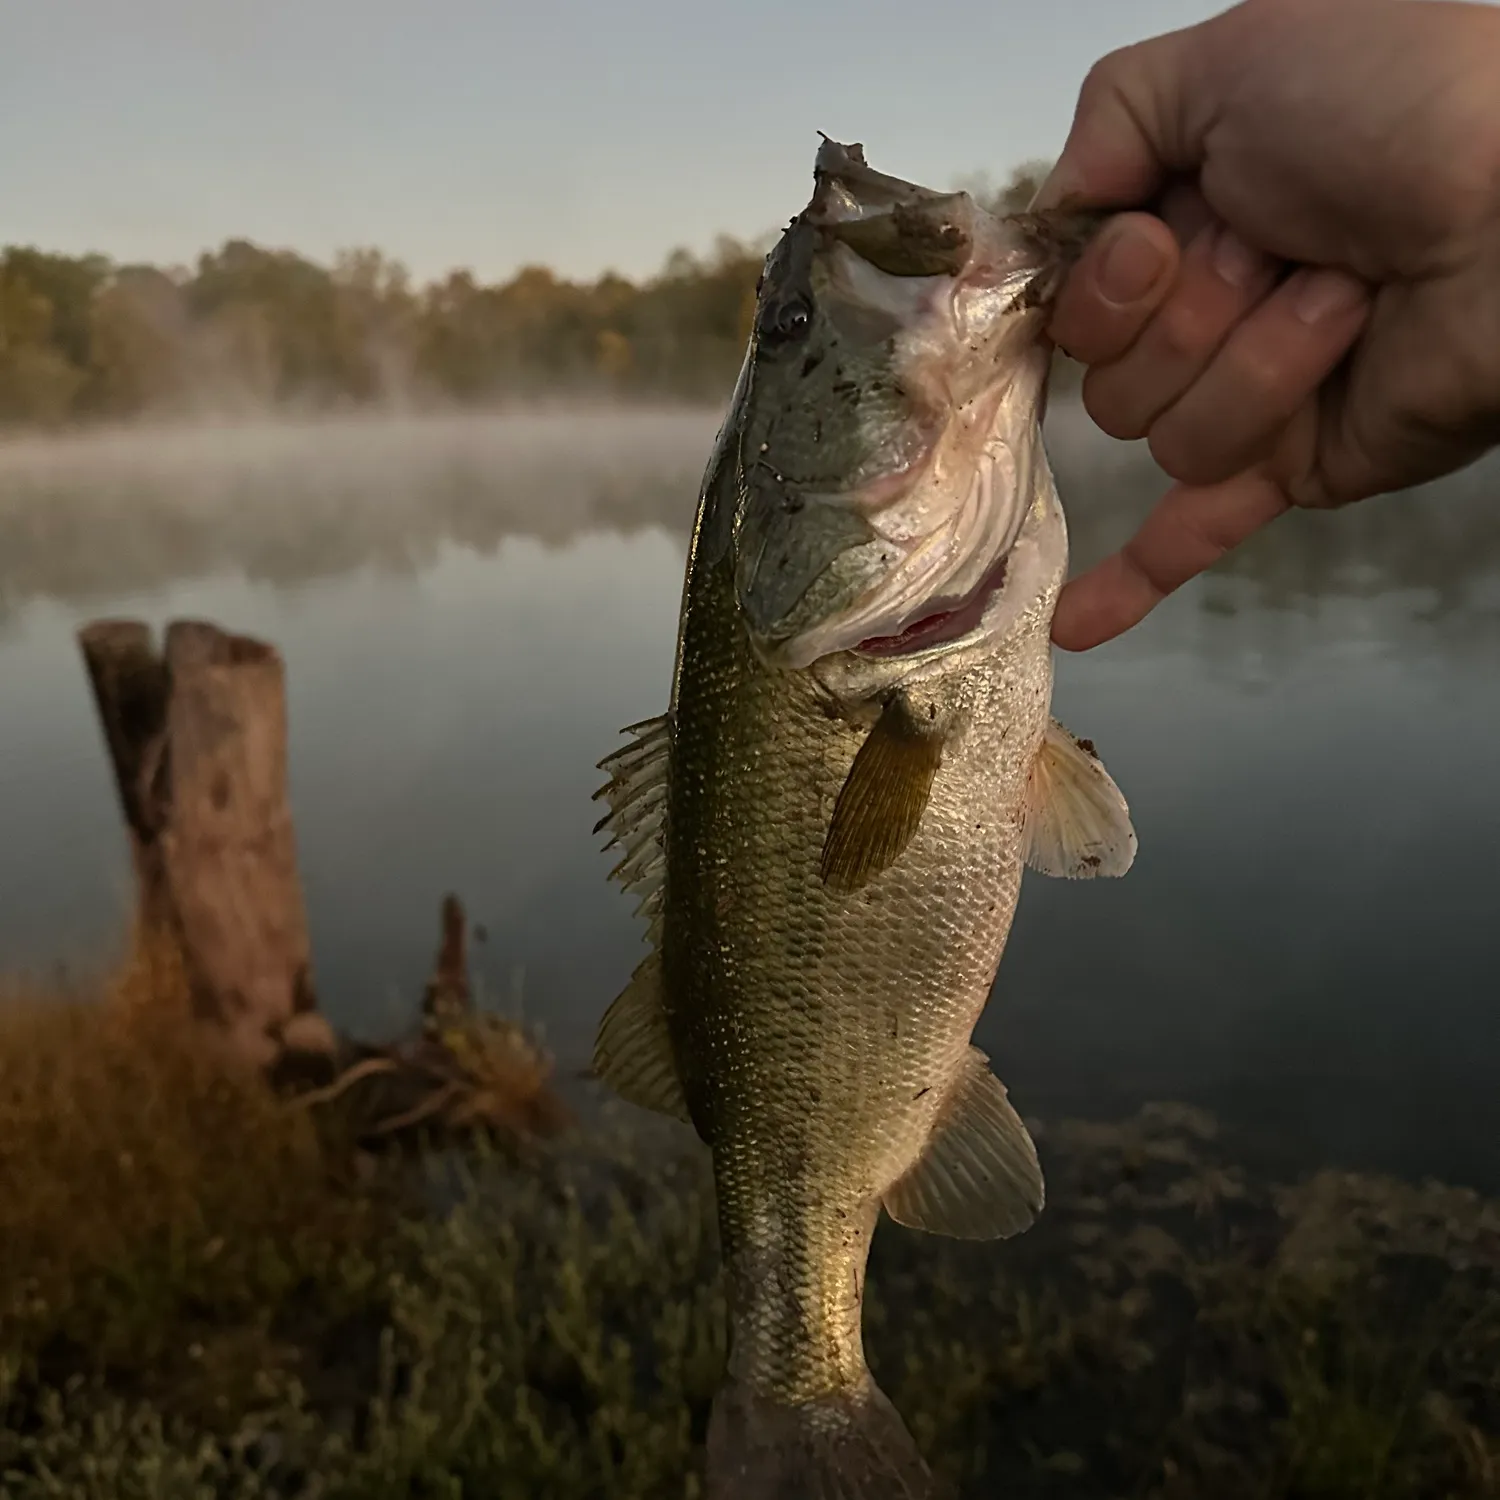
(828, 826)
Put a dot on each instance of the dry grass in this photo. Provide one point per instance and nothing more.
(143, 1176)
(199, 1299)
(501, 1079)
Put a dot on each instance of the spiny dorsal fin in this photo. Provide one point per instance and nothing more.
(637, 795)
(1077, 823)
(883, 797)
(979, 1178)
(633, 1052)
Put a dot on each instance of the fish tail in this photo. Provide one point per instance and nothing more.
(851, 1446)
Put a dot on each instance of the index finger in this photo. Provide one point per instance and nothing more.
(1192, 527)
(1138, 121)
(1120, 280)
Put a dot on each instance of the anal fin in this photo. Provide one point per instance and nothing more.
(979, 1178)
(1077, 822)
(633, 1051)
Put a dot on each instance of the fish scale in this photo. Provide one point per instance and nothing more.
(842, 829)
(873, 995)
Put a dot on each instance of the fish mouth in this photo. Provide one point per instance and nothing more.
(924, 589)
(907, 555)
(943, 626)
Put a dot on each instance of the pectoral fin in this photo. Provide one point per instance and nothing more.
(979, 1178)
(883, 797)
(1077, 823)
(633, 1053)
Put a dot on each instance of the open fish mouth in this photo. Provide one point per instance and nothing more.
(927, 589)
(944, 625)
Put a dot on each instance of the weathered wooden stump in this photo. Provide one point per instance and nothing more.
(197, 738)
(129, 679)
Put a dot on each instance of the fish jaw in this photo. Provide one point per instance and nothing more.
(892, 493)
(991, 455)
(1016, 600)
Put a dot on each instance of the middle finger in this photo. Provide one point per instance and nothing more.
(1222, 280)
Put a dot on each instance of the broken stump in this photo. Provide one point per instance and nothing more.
(197, 739)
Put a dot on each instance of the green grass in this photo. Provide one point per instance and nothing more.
(205, 1294)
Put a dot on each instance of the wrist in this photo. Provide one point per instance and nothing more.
(1484, 117)
(1485, 328)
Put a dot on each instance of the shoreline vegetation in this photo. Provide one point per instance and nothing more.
(237, 1264)
(250, 329)
(213, 1290)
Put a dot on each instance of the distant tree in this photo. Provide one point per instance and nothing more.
(287, 310)
(453, 336)
(69, 284)
(141, 340)
(376, 323)
(251, 327)
(38, 382)
(691, 321)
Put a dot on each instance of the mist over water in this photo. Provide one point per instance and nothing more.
(470, 606)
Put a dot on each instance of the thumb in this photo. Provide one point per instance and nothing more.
(1141, 117)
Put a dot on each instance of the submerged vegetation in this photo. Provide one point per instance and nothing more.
(208, 1292)
(251, 328)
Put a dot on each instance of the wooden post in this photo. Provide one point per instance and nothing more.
(229, 844)
(449, 999)
(197, 736)
(129, 680)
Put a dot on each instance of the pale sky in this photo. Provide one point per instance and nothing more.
(584, 134)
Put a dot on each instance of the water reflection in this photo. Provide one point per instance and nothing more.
(470, 609)
(294, 503)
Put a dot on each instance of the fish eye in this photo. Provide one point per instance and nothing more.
(786, 321)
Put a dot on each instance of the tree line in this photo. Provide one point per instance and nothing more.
(249, 328)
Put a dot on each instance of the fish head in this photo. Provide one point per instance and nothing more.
(890, 413)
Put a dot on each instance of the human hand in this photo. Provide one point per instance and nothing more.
(1311, 314)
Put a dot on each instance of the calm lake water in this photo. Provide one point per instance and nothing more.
(471, 607)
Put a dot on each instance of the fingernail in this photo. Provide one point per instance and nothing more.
(1238, 263)
(1132, 265)
(1327, 294)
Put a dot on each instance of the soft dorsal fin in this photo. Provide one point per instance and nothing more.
(1077, 823)
(979, 1178)
(633, 1052)
(637, 795)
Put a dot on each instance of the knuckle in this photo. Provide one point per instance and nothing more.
(1309, 491)
(1102, 80)
(1182, 332)
(1110, 399)
(1264, 381)
(1182, 454)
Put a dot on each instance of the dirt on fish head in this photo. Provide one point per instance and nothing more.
(897, 367)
